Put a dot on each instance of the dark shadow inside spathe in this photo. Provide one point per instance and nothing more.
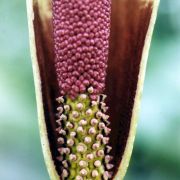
(129, 24)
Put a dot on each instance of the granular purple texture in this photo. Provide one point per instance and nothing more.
(81, 39)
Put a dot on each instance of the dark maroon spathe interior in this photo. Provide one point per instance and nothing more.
(129, 24)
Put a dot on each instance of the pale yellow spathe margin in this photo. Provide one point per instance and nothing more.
(42, 125)
(132, 132)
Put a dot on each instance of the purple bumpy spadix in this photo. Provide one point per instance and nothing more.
(81, 38)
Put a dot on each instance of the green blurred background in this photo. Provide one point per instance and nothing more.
(156, 154)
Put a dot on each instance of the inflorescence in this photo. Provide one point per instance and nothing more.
(81, 31)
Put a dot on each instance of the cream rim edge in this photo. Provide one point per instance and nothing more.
(41, 119)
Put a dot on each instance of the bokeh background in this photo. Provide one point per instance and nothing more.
(156, 154)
